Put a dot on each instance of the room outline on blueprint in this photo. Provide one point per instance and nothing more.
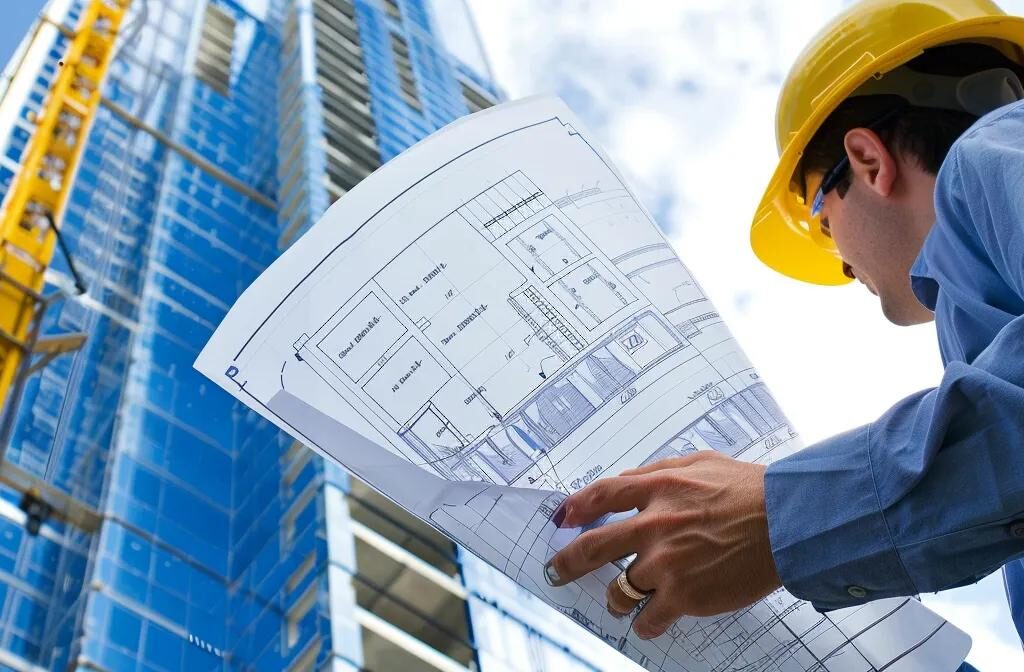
(512, 321)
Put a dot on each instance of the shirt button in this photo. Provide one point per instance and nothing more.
(857, 591)
(1017, 530)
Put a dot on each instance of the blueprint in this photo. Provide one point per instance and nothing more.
(492, 321)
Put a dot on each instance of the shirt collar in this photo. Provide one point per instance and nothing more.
(922, 282)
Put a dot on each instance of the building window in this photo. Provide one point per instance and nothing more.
(406, 75)
(213, 62)
(393, 10)
(293, 462)
(417, 602)
(349, 128)
(307, 661)
(475, 99)
(301, 572)
(289, 525)
(409, 596)
(382, 652)
(384, 517)
(296, 614)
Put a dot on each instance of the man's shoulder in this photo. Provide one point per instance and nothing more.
(989, 154)
(996, 133)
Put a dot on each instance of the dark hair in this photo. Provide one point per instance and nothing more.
(924, 134)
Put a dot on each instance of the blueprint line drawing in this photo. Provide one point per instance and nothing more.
(491, 322)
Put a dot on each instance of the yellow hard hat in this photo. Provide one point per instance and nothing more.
(868, 40)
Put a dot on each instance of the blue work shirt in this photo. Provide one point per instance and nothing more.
(931, 495)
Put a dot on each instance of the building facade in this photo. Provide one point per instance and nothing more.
(227, 127)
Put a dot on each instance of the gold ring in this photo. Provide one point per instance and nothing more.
(628, 589)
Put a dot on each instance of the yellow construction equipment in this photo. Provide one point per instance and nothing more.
(39, 193)
(30, 231)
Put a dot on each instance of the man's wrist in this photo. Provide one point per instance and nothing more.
(769, 561)
(828, 536)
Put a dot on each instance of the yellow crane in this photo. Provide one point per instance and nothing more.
(30, 231)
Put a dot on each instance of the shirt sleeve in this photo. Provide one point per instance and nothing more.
(928, 497)
(931, 495)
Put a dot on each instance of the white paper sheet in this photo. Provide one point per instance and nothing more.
(492, 321)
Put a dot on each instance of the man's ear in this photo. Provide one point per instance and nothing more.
(870, 160)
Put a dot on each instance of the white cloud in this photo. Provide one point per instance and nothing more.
(682, 95)
(983, 606)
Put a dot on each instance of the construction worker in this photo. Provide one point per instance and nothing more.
(901, 165)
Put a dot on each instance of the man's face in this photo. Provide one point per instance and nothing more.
(879, 235)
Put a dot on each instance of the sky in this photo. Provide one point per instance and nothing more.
(682, 95)
(17, 17)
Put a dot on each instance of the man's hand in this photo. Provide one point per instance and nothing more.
(701, 538)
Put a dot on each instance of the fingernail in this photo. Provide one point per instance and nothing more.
(617, 615)
(560, 514)
(551, 575)
(644, 634)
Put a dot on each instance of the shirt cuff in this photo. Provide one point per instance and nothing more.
(829, 538)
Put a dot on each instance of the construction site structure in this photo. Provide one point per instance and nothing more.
(155, 157)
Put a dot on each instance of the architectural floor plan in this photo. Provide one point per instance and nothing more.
(491, 322)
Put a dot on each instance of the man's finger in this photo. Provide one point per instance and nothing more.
(659, 613)
(667, 463)
(609, 495)
(592, 549)
(621, 604)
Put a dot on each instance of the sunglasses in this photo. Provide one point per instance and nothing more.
(835, 174)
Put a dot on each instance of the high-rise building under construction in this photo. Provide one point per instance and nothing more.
(147, 521)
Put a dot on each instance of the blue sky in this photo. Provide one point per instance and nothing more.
(17, 17)
(682, 95)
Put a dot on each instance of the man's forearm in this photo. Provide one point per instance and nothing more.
(928, 497)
